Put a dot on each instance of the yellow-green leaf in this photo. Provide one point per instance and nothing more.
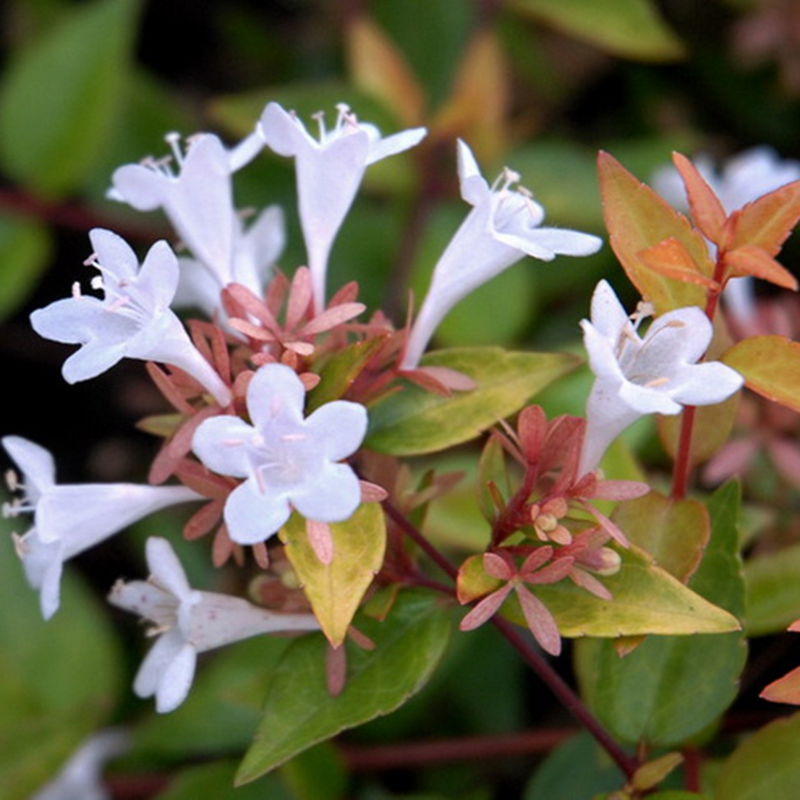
(413, 421)
(336, 589)
(770, 366)
(631, 28)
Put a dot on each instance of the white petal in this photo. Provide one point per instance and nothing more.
(566, 242)
(80, 320)
(332, 497)
(646, 400)
(114, 254)
(36, 463)
(602, 357)
(608, 315)
(339, 427)
(158, 277)
(138, 186)
(43, 563)
(145, 599)
(175, 682)
(283, 133)
(474, 189)
(165, 568)
(680, 336)
(710, 383)
(252, 516)
(92, 360)
(220, 443)
(275, 393)
(155, 663)
(391, 145)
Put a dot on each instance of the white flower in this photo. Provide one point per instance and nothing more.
(255, 251)
(133, 320)
(80, 777)
(188, 622)
(286, 460)
(743, 179)
(502, 227)
(658, 374)
(198, 198)
(71, 518)
(329, 172)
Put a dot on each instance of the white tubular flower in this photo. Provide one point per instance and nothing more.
(81, 776)
(329, 172)
(133, 320)
(197, 196)
(71, 518)
(743, 179)
(188, 622)
(255, 252)
(287, 461)
(502, 227)
(658, 374)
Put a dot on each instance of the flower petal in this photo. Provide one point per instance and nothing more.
(165, 568)
(332, 497)
(219, 443)
(36, 463)
(339, 427)
(251, 516)
(155, 663)
(275, 393)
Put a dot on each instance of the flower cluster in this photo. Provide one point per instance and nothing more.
(271, 397)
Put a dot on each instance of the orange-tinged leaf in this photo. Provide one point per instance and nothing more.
(707, 211)
(749, 259)
(785, 689)
(477, 108)
(770, 366)
(637, 219)
(766, 222)
(379, 68)
(672, 259)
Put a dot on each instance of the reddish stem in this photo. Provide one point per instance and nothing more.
(683, 469)
(534, 659)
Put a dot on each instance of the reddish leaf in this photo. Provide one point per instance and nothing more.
(749, 259)
(637, 219)
(707, 211)
(770, 366)
(766, 222)
(785, 689)
(671, 259)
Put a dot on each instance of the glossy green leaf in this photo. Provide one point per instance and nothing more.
(637, 219)
(673, 532)
(765, 765)
(60, 678)
(299, 712)
(631, 28)
(646, 599)
(770, 366)
(336, 589)
(773, 591)
(61, 97)
(412, 421)
(339, 371)
(216, 780)
(25, 249)
(659, 693)
(316, 774)
(557, 779)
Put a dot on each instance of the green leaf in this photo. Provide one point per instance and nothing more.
(412, 421)
(773, 591)
(61, 97)
(25, 249)
(299, 712)
(631, 28)
(336, 589)
(339, 371)
(771, 367)
(316, 774)
(658, 693)
(637, 219)
(216, 780)
(50, 702)
(557, 779)
(766, 765)
(674, 532)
